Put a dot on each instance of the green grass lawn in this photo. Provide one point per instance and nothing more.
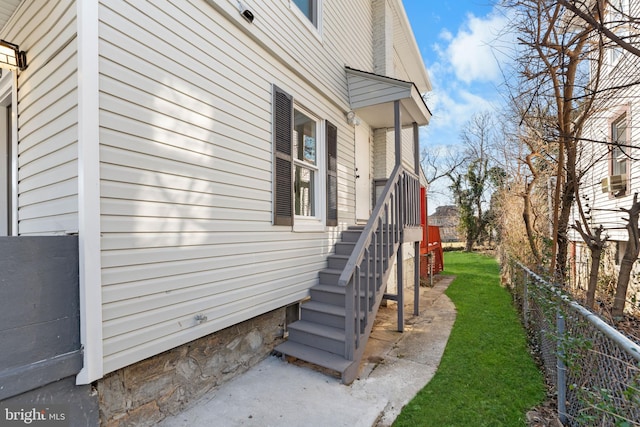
(487, 376)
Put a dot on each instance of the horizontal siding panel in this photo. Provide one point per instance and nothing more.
(125, 182)
(220, 135)
(159, 45)
(117, 224)
(119, 334)
(182, 95)
(163, 324)
(225, 268)
(50, 145)
(142, 349)
(267, 235)
(60, 173)
(50, 225)
(232, 279)
(143, 209)
(149, 179)
(55, 191)
(51, 160)
(133, 192)
(35, 95)
(51, 207)
(214, 155)
(62, 123)
(47, 119)
(166, 165)
(220, 245)
(122, 309)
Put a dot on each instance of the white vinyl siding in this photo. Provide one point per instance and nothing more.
(598, 128)
(186, 171)
(47, 117)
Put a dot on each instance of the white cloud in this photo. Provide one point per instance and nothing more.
(474, 51)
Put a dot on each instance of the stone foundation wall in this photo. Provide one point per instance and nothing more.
(146, 392)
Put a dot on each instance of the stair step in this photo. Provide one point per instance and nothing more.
(313, 355)
(322, 313)
(319, 336)
(330, 276)
(337, 261)
(344, 248)
(351, 235)
(328, 294)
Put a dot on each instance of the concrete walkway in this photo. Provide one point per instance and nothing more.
(394, 368)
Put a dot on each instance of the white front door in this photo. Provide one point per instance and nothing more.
(363, 173)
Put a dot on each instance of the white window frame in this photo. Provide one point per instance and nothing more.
(624, 152)
(302, 223)
(9, 96)
(315, 28)
(614, 53)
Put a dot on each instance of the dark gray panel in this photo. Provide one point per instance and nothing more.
(30, 376)
(38, 279)
(39, 311)
(81, 402)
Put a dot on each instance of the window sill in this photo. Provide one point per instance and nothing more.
(306, 225)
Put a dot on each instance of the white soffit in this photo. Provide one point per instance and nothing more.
(372, 97)
(7, 9)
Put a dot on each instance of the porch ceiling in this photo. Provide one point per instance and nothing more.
(7, 8)
(372, 96)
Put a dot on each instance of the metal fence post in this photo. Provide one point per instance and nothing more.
(561, 370)
(525, 301)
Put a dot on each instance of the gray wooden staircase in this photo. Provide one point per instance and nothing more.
(336, 321)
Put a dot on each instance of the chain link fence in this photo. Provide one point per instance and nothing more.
(594, 369)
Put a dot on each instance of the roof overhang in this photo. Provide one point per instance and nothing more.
(372, 96)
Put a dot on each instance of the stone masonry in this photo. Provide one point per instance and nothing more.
(146, 392)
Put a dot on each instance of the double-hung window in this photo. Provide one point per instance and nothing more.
(620, 149)
(618, 18)
(305, 166)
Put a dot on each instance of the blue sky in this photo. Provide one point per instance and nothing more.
(459, 43)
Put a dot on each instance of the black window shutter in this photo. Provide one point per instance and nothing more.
(332, 175)
(282, 141)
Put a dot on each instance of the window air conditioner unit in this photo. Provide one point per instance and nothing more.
(614, 183)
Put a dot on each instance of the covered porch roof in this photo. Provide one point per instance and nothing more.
(371, 97)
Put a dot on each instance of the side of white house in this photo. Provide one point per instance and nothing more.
(609, 158)
(188, 241)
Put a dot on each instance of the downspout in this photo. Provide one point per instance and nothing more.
(89, 194)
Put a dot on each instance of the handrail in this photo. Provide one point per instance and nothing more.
(397, 206)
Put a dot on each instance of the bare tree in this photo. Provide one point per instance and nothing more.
(558, 93)
(630, 256)
(594, 13)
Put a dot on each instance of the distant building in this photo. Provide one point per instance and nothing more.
(447, 218)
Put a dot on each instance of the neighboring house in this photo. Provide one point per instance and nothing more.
(448, 219)
(609, 138)
(207, 157)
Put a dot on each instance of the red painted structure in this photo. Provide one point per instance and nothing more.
(431, 245)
